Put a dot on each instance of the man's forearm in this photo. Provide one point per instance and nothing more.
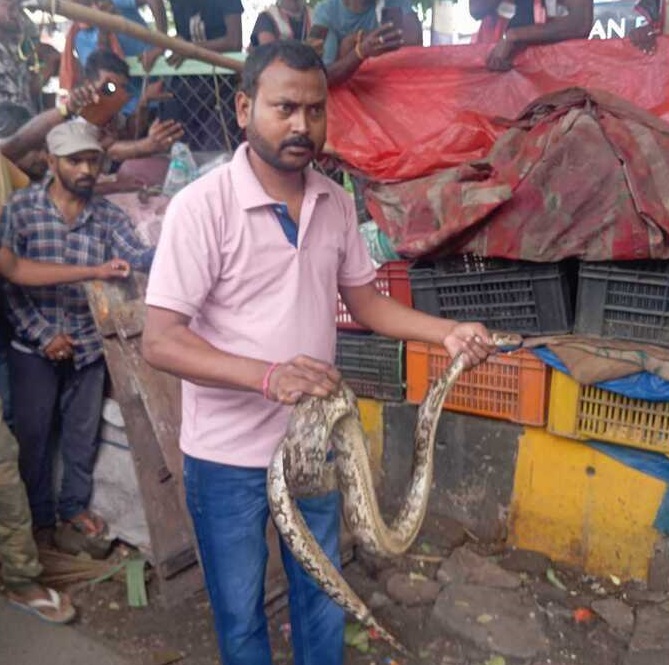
(386, 316)
(31, 135)
(343, 68)
(27, 272)
(122, 150)
(229, 43)
(185, 354)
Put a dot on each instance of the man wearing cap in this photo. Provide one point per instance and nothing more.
(56, 363)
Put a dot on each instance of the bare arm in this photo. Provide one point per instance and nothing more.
(26, 272)
(382, 40)
(391, 318)
(168, 344)
(233, 36)
(33, 133)
(162, 134)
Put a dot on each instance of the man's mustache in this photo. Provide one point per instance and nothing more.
(299, 142)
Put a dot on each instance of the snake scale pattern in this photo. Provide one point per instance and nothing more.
(301, 467)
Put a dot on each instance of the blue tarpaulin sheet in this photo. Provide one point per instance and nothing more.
(641, 385)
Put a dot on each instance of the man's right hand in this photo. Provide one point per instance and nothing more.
(114, 269)
(302, 376)
(59, 348)
(382, 40)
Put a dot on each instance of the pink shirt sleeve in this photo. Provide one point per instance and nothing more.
(357, 268)
(188, 258)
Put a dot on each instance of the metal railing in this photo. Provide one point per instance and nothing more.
(203, 100)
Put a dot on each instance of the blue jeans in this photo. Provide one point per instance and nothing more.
(229, 509)
(56, 404)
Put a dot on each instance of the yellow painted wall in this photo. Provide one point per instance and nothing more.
(371, 416)
(581, 507)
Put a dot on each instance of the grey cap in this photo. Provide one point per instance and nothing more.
(71, 137)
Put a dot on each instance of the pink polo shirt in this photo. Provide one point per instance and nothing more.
(224, 260)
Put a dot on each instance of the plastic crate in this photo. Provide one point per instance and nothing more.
(515, 296)
(587, 412)
(628, 300)
(510, 386)
(371, 365)
(392, 279)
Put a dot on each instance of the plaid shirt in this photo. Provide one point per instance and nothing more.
(32, 227)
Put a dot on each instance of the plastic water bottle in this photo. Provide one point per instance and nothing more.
(182, 169)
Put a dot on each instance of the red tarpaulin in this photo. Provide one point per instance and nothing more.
(419, 110)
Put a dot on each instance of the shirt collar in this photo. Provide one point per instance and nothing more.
(43, 202)
(252, 194)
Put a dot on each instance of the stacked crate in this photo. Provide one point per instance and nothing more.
(622, 300)
(371, 364)
(509, 296)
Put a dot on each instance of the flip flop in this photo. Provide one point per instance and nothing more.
(57, 612)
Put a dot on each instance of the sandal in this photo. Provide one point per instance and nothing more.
(88, 523)
(56, 609)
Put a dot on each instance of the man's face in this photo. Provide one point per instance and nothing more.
(77, 173)
(286, 121)
(10, 14)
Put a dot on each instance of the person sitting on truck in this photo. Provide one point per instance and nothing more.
(512, 26)
(354, 30)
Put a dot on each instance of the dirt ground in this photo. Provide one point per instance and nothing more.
(184, 634)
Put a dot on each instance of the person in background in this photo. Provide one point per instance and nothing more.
(241, 302)
(56, 366)
(216, 26)
(16, 79)
(287, 19)
(206, 115)
(122, 134)
(83, 39)
(512, 26)
(18, 549)
(356, 31)
(645, 36)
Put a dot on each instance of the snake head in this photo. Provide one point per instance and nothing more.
(507, 342)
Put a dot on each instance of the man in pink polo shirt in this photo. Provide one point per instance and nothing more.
(242, 302)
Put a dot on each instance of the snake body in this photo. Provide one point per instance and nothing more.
(300, 467)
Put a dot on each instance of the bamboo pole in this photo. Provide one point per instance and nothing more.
(113, 23)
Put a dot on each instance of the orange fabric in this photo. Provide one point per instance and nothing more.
(419, 110)
(69, 65)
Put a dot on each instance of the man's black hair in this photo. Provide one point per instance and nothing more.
(106, 60)
(12, 118)
(295, 54)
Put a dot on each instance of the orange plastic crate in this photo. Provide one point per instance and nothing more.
(392, 279)
(509, 386)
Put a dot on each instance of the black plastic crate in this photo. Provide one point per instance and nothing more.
(625, 299)
(372, 365)
(514, 296)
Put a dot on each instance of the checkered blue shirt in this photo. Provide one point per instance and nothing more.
(32, 227)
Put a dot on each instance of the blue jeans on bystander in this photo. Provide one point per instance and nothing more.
(229, 509)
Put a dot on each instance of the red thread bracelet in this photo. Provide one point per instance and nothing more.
(266, 378)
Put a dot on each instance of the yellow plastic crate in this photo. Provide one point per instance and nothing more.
(587, 412)
(580, 506)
